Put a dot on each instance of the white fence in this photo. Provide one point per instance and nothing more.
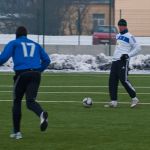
(64, 40)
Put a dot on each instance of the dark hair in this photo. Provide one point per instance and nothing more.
(122, 22)
(21, 31)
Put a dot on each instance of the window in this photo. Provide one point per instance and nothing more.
(98, 19)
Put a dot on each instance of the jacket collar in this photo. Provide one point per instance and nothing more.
(124, 31)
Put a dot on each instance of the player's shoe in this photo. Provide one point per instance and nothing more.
(44, 121)
(134, 102)
(112, 104)
(16, 136)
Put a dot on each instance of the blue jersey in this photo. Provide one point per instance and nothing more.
(26, 54)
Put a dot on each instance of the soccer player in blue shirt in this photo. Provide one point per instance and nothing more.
(29, 59)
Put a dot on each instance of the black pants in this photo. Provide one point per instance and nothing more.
(25, 82)
(119, 71)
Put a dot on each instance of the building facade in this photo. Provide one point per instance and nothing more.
(82, 17)
(137, 13)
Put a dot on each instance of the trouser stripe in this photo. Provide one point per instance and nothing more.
(126, 76)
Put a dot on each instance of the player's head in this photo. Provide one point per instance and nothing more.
(122, 22)
(122, 25)
(21, 31)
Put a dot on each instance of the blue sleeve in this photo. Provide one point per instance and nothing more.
(45, 60)
(7, 52)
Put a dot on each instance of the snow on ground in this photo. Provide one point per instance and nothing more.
(81, 63)
(88, 63)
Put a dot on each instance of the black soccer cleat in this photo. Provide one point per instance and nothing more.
(44, 121)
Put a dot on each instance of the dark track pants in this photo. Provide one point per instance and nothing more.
(25, 83)
(119, 71)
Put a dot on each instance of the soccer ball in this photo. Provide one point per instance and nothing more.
(87, 102)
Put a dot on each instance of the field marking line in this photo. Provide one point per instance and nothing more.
(102, 102)
(76, 93)
(78, 86)
(99, 74)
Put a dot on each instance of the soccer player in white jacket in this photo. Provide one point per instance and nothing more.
(126, 47)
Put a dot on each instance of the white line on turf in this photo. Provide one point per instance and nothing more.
(76, 93)
(102, 102)
(79, 86)
(79, 74)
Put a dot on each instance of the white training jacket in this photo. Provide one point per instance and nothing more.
(126, 44)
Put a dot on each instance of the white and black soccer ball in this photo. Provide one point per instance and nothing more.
(87, 102)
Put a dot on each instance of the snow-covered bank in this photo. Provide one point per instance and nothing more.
(91, 63)
(88, 63)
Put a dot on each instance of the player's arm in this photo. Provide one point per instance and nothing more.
(6, 53)
(135, 47)
(45, 60)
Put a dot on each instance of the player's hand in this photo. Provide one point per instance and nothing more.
(124, 57)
